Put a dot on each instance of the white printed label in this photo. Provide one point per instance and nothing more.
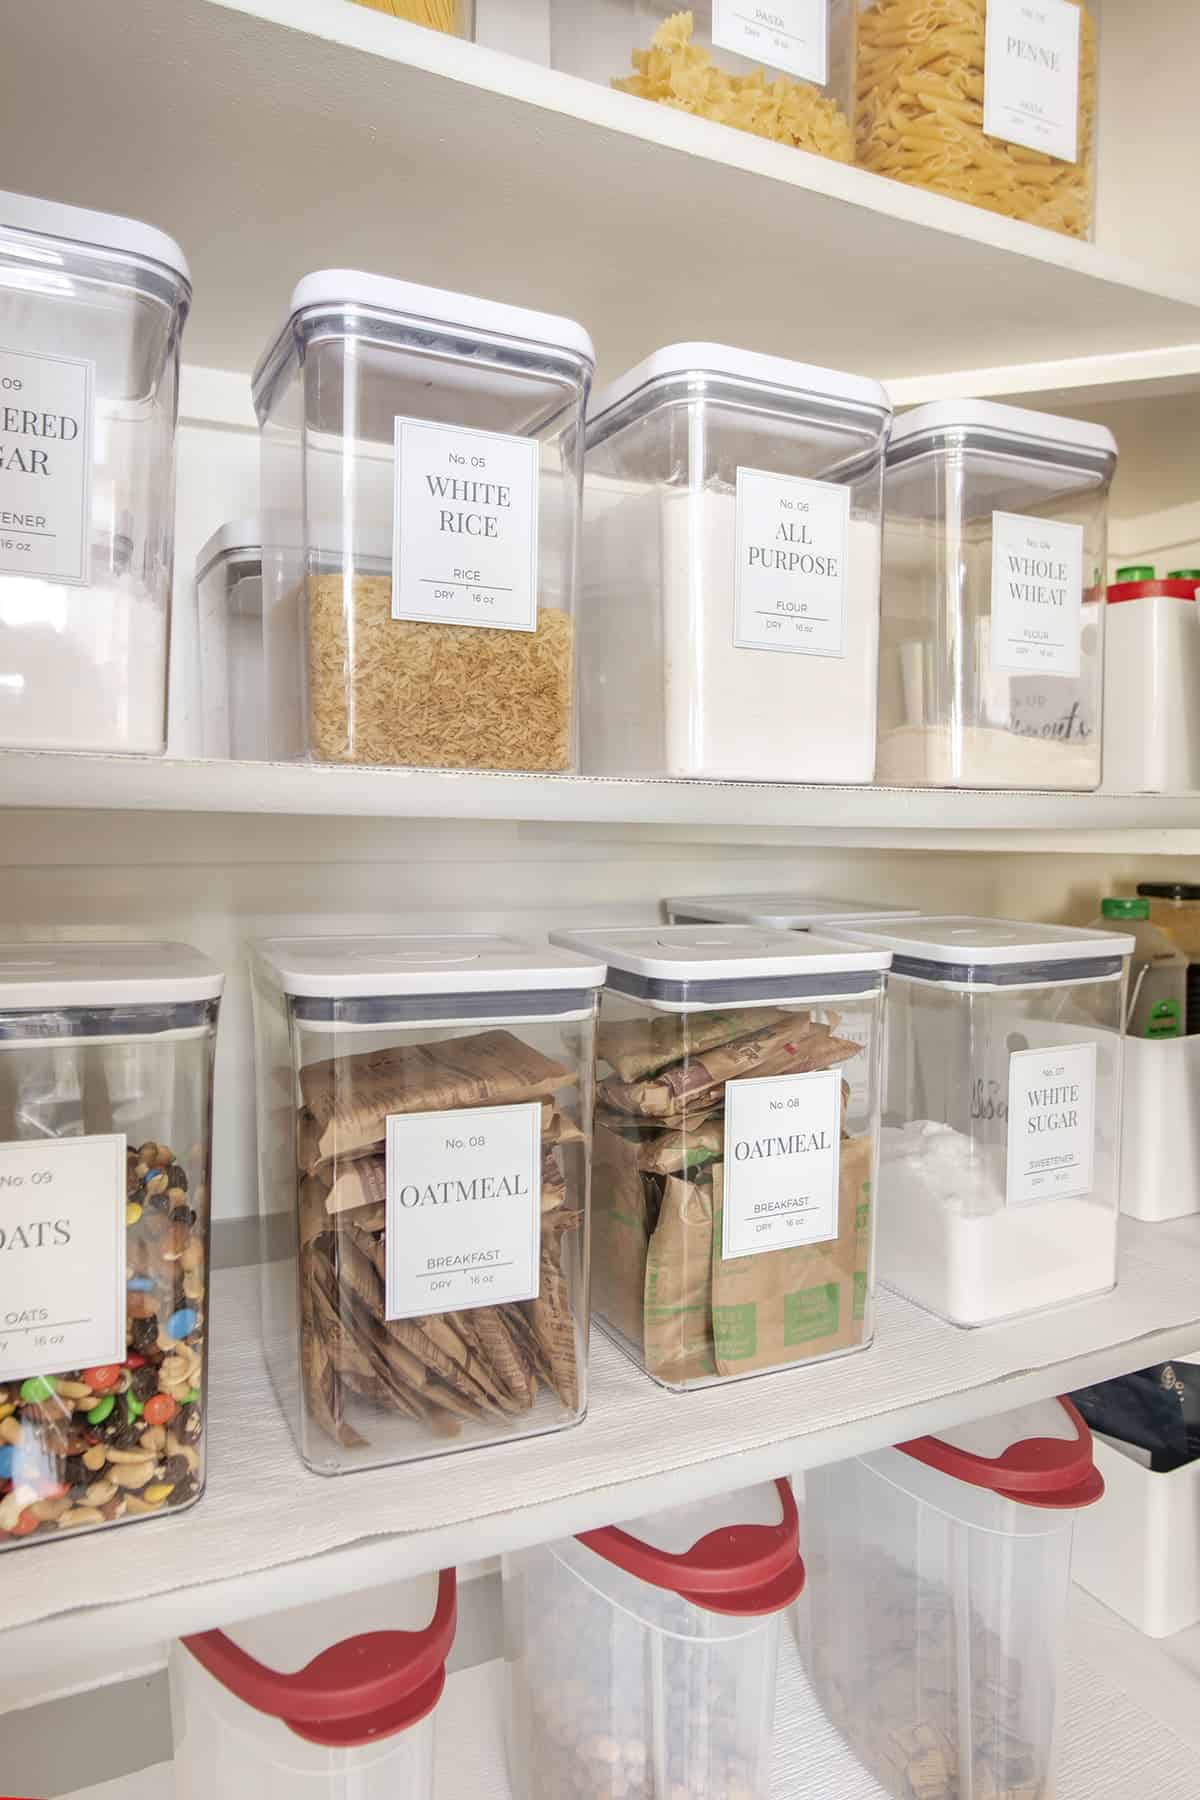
(782, 1156)
(465, 522)
(788, 34)
(464, 1220)
(791, 548)
(1031, 75)
(45, 465)
(62, 1255)
(1037, 596)
(1051, 1123)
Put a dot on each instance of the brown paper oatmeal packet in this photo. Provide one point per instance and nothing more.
(634, 1048)
(791, 1048)
(677, 1309)
(681, 1151)
(621, 1229)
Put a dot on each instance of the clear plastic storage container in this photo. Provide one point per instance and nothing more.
(424, 1129)
(735, 1148)
(1152, 687)
(92, 308)
(230, 609)
(421, 466)
(1000, 1157)
(989, 101)
(642, 1659)
(783, 72)
(992, 648)
(780, 911)
(106, 1065)
(731, 533)
(934, 1621)
(334, 1701)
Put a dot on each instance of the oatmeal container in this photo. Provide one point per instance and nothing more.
(421, 467)
(106, 1066)
(731, 532)
(1000, 1156)
(92, 308)
(735, 1147)
(642, 1658)
(424, 1132)
(934, 1622)
(335, 1701)
(992, 633)
(230, 611)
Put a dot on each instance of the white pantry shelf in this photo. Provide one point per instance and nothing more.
(268, 1529)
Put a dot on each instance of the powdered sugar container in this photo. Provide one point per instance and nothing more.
(229, 605)
(1000, 1157)
(735, 1147)
(334, 1701)
(421, 461)
(731, 533)
(642, 1659)
(424, 1137)
(934, 1620)
(992, 649)
(92, 309)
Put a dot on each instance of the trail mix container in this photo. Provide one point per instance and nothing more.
(783, 73)
(642, 1658)
(1000, 1157)
(731, 533)
(106, 1062)
(992, 630)
(735, 1147)
(424, 1128)
(335, 1701)
(92, 308)
(1175, 909)
(781, 911)
(229, 594)
(935, 1616)
(421, 462)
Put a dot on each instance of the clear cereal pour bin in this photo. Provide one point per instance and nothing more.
(934, 1619)
(424, 1132)
(106, 1064)
(736, 1139)
(229, 599)
(642, 1659)
(422, 455)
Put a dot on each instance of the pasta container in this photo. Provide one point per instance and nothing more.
(986, 101)
(421, 468)
(731, 532)
(106, 1066)
(992, 657)
(424, 1132)
(735, 1147)
(781, 911)
(1152, 688)
(642, 1659)
(934, 1623)
(92, 309)
(455, 17)
(335, 1701)
(1000, 1157)
(230, 608)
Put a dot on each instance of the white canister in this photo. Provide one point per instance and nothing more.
(1152, 688)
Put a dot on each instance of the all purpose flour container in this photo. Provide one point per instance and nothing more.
(1000, 1157)
(642, 1659)
(992, 646)
(92, 308)
(731, 535)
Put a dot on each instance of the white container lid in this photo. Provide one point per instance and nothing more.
(743, 365)
(338, 968)
(959, 941)
(784, 911)
(990, 416)
(240, 535)
(680, 953)
(58, 976)
(96, 230)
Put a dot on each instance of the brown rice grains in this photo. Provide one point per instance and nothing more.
(384, 690)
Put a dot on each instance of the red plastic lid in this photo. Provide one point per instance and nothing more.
(739, 1569)
(1044, 1456)
(1146, 590)
(355, 1692)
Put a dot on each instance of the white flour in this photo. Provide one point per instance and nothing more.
(982, 756)
(81, 668)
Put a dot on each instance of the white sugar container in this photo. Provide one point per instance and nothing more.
(229, 602)
(731, 536)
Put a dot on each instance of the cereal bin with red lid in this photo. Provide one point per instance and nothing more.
(106, 1065)
(642, 1658)
(333, 1701)
(933, 1625)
